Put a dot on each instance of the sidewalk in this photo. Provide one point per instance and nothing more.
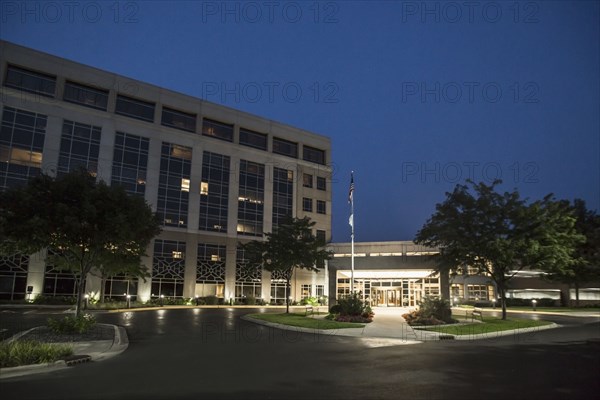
(94, 350)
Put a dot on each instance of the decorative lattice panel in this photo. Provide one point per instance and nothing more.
(14, 263)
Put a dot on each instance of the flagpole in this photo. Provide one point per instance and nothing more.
(352, 234)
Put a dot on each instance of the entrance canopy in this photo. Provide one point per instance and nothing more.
(387, 273)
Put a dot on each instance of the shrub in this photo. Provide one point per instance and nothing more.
(352, 305)
(22, 352)
(211, 300)
(436, 307)
(249, 301)
(335, 309)
(309, 301)
(352, 309)
(54, 300)
(72, 324)
(432, 311)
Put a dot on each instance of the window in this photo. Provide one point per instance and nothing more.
(285, 147)
(313, 155)
(119, 286)
(214, 192)
(307, 180)
(457, 291)
(174, 184)
(321, 207)
(251, 198)
(210, 265)
(248, 278)
(217, 130)
(22, 136)
(253, 139)
(30, 81)
(321, 183)
(283, 194)
(321, 236)
(178, 119)
(307, 204)
(168, 268)
(134, 108)
(130, 161)
(86, 96)
(305, 291)
(477, 292)
(79, 147)
(13, 276)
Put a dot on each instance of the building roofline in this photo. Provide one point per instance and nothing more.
(5, 43)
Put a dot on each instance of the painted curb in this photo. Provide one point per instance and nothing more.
(119, 345)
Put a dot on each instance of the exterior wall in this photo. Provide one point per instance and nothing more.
(58, 110)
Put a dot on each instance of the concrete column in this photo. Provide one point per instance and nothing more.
(194, 195)
(52, 145)
(234, 191)
(35, 273)
(153, 172)
(145, 288)
(191, 255)
(268, 200)
(230, 261)
(107, 145)
(266, 286)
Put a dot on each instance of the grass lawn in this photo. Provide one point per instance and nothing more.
(551, 309)
(300, 320)
(490, 324)
(31, 352)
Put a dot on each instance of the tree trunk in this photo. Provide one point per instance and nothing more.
(502, 299)
(287, 294)
(80, 289)
(102, 288)
(576, 294)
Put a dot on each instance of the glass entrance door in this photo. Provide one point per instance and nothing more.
(387, 298)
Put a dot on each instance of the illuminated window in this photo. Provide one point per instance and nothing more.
(204, 188)
(185, 185)
(217, 130)
(177, 254)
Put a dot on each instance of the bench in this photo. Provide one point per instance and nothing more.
(477, 313)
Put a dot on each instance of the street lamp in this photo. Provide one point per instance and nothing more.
(533, 303)
(87, 300)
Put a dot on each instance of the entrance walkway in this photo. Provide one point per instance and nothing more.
(388, 323)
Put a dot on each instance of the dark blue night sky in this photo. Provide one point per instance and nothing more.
(416, 96)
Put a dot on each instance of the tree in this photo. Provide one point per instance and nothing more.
(500, 234)
(86, 223)
(290, 246)
(587, 265)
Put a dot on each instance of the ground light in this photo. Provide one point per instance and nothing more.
(128, 296)
(494, 303)
(533, 303)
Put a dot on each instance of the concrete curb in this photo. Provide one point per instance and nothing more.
(298, 328)
(118, 346)
(426, 335)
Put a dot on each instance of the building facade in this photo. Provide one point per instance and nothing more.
(217, 177)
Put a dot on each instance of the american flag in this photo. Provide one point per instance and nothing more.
(351, 191)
